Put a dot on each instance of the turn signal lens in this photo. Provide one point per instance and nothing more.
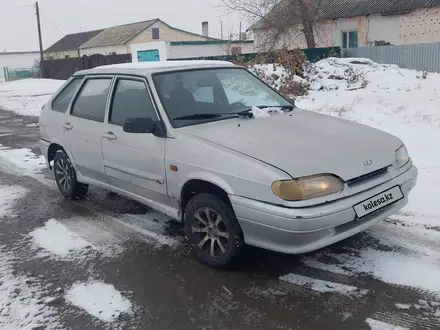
(402, 157)
(307, 187)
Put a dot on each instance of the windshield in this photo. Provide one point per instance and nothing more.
(212, 91)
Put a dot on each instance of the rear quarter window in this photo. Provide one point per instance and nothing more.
(62, 100)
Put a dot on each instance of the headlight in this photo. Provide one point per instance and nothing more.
(307, 188)
(402, 157)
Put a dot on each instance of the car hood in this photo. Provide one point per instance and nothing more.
(304, 143)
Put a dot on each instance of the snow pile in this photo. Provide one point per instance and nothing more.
(99, 299)
(27, 97)
(266, 112)
(274, 75)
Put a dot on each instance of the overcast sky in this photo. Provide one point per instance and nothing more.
(18, 28)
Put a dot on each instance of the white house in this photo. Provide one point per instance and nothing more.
(190, 49)
(18, 60)
(357, 23)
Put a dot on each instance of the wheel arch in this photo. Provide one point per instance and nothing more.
(200, 185)
(51, 151)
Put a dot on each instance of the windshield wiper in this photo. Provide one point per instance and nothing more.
(244, 113)
(203, 116)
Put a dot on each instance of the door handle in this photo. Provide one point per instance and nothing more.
(67, 126)
(110, 136)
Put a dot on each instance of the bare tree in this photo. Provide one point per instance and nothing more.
(280, 19)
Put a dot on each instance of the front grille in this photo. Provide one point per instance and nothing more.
(367, 176)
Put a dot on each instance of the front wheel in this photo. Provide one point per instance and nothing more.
(213, 231)
(65, 177)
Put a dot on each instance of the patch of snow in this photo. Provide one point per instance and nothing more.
(99, 299)
(323, 286)
(57, 239)
(27, 97)
(379, 325)
(8, 196)
(76, 238)
(22, 299)
(33, 125)
(314, 263)
(396, 268)
(403, 306)
(24, 162)
(266, 112)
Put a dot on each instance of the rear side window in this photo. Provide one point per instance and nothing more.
(131, 100)
(62, 101)
(92, 99)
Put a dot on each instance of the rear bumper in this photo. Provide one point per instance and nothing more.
(300, 230)
(44, 148)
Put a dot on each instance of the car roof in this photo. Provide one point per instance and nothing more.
(152, 67)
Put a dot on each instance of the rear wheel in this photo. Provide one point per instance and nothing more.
(213, 231)
(65, 177)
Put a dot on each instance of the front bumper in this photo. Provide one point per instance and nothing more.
(301, 230)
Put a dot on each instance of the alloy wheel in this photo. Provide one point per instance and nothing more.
(210, 232)
(64, 174)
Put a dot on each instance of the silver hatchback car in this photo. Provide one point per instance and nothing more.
(181, 137)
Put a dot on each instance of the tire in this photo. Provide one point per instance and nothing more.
(206, 231)
(65, 177)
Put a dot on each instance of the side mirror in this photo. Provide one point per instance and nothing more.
(139, 125)
(291, 101)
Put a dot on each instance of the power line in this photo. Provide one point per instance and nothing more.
(15, 7)
(52, 24)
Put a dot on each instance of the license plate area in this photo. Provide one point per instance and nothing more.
(378, 201)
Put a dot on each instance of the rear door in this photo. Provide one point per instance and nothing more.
(53, 116)
(84, 127)
(134, 162)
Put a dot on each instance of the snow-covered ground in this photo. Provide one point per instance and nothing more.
(27, 97)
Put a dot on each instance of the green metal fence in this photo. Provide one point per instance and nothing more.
(311, 54)
(18, 74)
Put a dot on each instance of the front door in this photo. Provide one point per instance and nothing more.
(148, 55)
(84, 127)
(134, 162)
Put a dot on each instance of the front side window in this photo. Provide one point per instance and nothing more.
(62, 100)
(130, 100)
(92, 99)
(216, 92)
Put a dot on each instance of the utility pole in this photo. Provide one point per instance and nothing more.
(37, 9)
(221, 29)
(239, 33)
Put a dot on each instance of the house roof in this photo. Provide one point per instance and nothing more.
(333, 9)
(350, 8)
(72, 41)
(122, 34)
(118, 35)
